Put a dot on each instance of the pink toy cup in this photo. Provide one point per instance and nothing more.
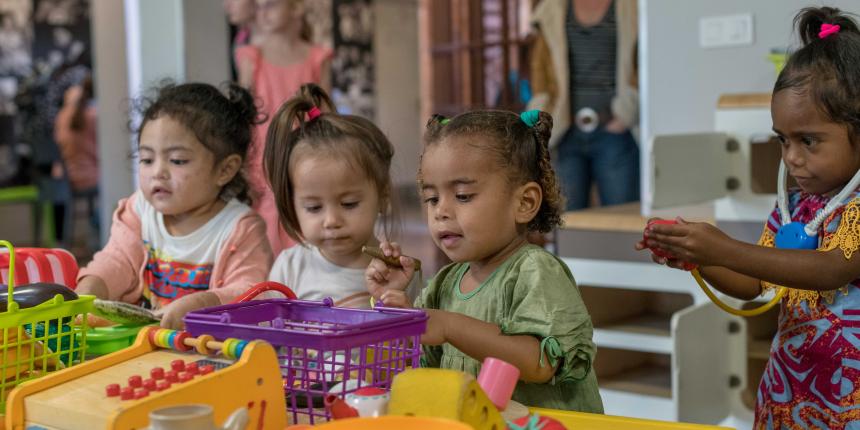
(498, 379)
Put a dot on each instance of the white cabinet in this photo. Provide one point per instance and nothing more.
(662, 346)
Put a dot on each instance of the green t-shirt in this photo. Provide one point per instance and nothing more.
(531, 293)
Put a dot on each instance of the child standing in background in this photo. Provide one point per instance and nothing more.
(187, 239)
(75, 133)
(486, 182)
(274, 70)
(812, 379)
(331, 181)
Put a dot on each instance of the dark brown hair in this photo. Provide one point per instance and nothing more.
(521, 150)
(826, 67)
(349, 137)
(222, 122)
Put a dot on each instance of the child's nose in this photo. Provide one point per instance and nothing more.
(332, 219)
(161, 170)
(442, 210)
(793, 155)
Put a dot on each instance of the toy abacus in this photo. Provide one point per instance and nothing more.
(320, 346)
(162, 368)
(40, 339)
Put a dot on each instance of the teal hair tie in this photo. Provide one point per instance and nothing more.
(530, 117)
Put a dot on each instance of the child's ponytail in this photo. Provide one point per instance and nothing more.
(549, 215)
(825, 66)
(287, 129)
(812, 20)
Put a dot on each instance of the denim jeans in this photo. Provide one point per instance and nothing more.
(609, 159)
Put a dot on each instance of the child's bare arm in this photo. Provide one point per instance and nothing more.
(707, 246)
(479, 340)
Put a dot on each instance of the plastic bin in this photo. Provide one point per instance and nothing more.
(319, 345)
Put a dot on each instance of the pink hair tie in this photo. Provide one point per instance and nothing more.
(827, 30)
(313, 113)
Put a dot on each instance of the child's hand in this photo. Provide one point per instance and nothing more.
(437, 326)
(380, 277)
(394, 299)
(172, 314)
(697, 243)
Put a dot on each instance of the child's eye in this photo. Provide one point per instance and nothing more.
(464, 197)
(349, 205)
(809, 140)
(145, 161)
(432, 200)
(178, 162)
(781, 140)
(313, 209)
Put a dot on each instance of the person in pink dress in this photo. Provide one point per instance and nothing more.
(274, 69)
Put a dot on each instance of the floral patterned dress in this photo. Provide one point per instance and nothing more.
(812, 379)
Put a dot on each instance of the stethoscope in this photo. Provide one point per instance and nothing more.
(791, 235)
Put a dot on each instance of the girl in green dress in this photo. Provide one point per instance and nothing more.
(486, 182)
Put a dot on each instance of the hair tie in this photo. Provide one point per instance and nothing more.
(313, 113)
(530, 117)
(445, 121)
(827, 30)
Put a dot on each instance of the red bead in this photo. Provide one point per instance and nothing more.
(177, 365)
(162, 385)
(207, 369)
(185, 377)
(157, 373)
(192, 368)
(127, 393)
(149, 384)
(171, 376)
(135, 381)
(112, 390)
(141, 393)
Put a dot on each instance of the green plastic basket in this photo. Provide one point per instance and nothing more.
(105, 340)
(41, 339)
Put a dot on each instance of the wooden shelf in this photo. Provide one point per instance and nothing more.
(650, 380)
(744, 101)
(758, 349)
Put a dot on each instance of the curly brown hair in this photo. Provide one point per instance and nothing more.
(521, 150)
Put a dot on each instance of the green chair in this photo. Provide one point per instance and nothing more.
(43, 211)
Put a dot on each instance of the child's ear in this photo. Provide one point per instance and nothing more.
(530, 197)
(227, 169)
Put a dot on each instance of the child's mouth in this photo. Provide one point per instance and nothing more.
(449, 239)
(160, 192)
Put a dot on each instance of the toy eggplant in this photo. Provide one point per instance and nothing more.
(30, 295)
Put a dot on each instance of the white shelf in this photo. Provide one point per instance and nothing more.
(628, 274)
(648, 333)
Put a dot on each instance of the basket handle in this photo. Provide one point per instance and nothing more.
(262, 287)
(11, 284)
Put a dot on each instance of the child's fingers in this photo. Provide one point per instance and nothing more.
(394, 299)
(667, 230)
(390, 249)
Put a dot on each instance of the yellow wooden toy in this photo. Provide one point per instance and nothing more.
(162, 368)
(444, 393)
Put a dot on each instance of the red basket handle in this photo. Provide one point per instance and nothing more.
(262, 287)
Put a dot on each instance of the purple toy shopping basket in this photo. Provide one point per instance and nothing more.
(319, 345)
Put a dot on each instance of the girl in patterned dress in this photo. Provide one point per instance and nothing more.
(812, 379)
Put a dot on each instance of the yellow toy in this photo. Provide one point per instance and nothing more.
(162, 368)
(443, 393)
